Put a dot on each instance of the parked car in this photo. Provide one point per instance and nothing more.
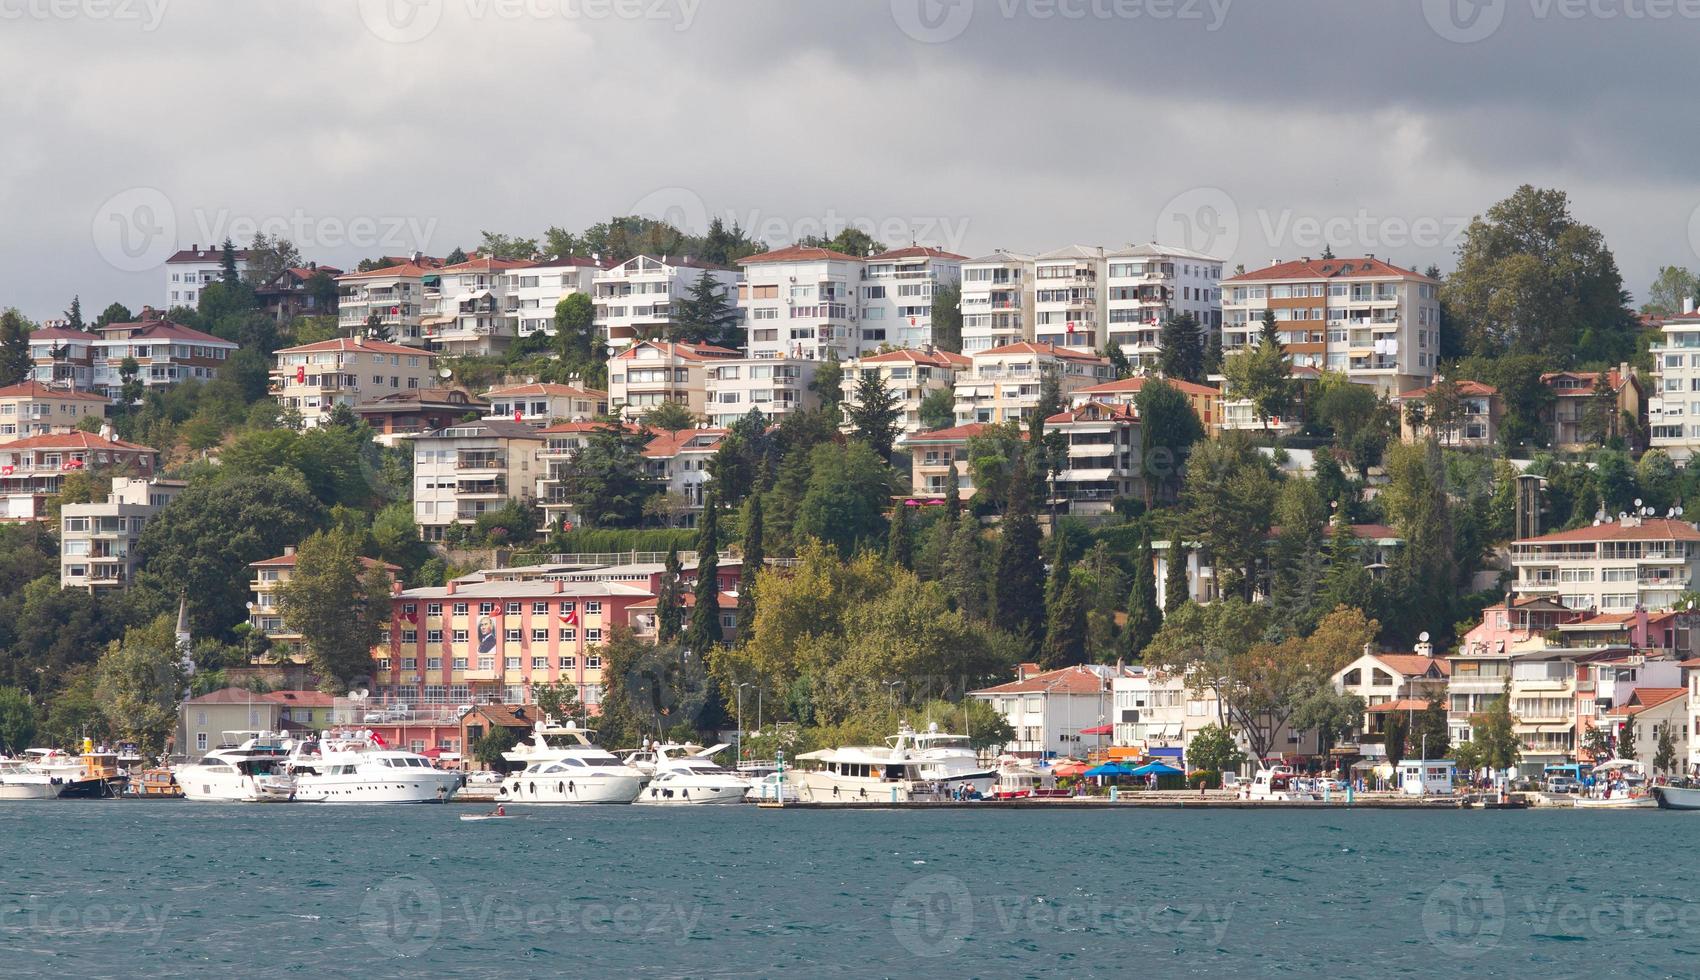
(1562, 784)
(1231, 780)
(484, 777)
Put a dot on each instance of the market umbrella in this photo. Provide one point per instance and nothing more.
(1155, 768)
(1110, 769)
(1099, 730)
(1069, 768)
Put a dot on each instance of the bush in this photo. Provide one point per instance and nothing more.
(592, 540)
(1204, 779)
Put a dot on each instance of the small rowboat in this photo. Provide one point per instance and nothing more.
(486, 816)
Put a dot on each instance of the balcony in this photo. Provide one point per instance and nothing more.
(481, 461)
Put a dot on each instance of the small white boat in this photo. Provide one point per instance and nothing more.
(18, 781)
(775, 787)
(1280, 785)
(1677, 797)
(1018, 780)
(471, 817)
(1627, 802)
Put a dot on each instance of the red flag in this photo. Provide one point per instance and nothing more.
(6, 470)
(301, 374)
(519, 416)
(378, 740)
(570, 617)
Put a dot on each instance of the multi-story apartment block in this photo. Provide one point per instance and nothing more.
(910, 374)
(1573, 417)
(1069, 297)
(542, 403)
(265, 613)
(394, 294)
(897, 294)
(31, 408)
(409, 413)
(1103, 459)
(650, 372)
(1147, 285)
(1373, 321)
(165, 353)
(775, 385)
(1157, 713)
(191, 269)
(1003, 383)
(932, 454)
(534, 289)
(1618, 565)
(470, 467)
(1392, 683)
(467, 310)
(97, 541)
(62, 358)
(997, 301)
(314, 379)
(634, 299)
(32, 469)
(289, 296)
(554, 460)
(1673, 398)
(678, 461)
(1477, 428)
(474, 642)
(802, 302)
(1206, 401)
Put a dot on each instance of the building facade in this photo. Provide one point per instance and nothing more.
(461, 471)
(897, 294)
(802, 302)
(634, 299)
(536, 288)
(650, 372)
(997, 300)
(774, 385)
(543, 403)
(1049, 709)
(97, 541)
(392, 298)
(165, 353)
(910, 374)
(1003, 383)
(33, 469)
(1618, 565)
(62, 358)
(1147, 285)
(31, 408)
(313, 379)
(190, 270)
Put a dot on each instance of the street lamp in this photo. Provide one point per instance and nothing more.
(740, 743)
(892, 686)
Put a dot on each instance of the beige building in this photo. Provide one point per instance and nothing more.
(314, 379)
(1103, 461)
(1478, 428)
(910, 374)
(97, 541)
(543, 403)
(1003, 383)
(775, 385)
(932, 454)
(650, 372)
(461, 471)
(1617, 565)
(395, 294)
(30, 408)
(265, 613)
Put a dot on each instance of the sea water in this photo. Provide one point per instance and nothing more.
(124, 888)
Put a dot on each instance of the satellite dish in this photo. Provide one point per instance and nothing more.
(1422, 637)
(1679, 512)
(1637, 501)
(1596, 522)
(358, 694)
(445, 374)
(1623, 515)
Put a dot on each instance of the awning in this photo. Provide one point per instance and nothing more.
(1155, 769)
(1174, 752)
(1113, 769)
(429, 321)
(1098, 730)
(1081, 476)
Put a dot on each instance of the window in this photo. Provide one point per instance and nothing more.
(540, 609)
(539, 635)
(201, 741)
(569, 634)
(433, 609)
(436, 636)
(593, 636)
(593, 662)
(460, 609)
(460, 636)
(592, 607)
(511, 635)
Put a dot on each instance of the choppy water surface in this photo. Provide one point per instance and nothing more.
(128, 888)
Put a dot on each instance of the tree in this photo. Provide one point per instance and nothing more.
(1628, 741)
(1180, 348)
(847, 492)
(753, 561)
(938, 409)
(557, 700)
(576, 341)
(1426, 570)
(952, 493)
(1348, 582)
(947, 317)
(1120, 366)
(965, 577)
(1443, 409)
(850, 241)
(1671, 287)
(114, 313)
(900, 548)
(1496, 734)
(268, 258)
(74, 315)
(14, 348)
(1430, 736)
(1177, 591)
(1532, 280)
(138, 682)
(337, 604)
(704, 633)
(827, 384)
(995, 454)
(1229, 495)
(1269, 331)
(1330, 714)
(228, 274)
(1212, 749)
(490, 746)
(498, 246)
(1600, 417)
(1213, 354)
(17, 720)
(1018, 590)
(668, 416)
(130, 385)
(1144, 619)
(1065, 629)
(1260, 374)
(1168, 430)
(875, 413)
(608, 482)
(706, 313)
(1665, 758)
(1393, 736)
(670, 603)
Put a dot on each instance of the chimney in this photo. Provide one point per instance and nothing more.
(1425, 648)
(1687, 305)
(449, 587)
(288, 550)
(560, 586)
(395, 587)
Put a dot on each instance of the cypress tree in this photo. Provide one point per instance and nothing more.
(1065, 629)
(898, 548)
(1143, 616)
(1175, 592)
(964, 575)
(704, 634)
(953, 493)
(1018, 589)
(753, 558)
(227, 273)
(1059, 573)
(669, 608)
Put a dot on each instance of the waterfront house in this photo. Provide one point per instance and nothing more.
(1654, 711)
(1049, 709)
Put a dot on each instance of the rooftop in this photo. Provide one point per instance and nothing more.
(1367, 267)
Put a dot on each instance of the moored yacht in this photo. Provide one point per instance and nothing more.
(686, 774)
(360, 768)
(864, 774)
(946, 759)
(563, 764)
(20, 781)
(247, 767)
(92, 775)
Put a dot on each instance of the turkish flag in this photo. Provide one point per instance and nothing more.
(519, 416)
(301, 375)
(570, 617)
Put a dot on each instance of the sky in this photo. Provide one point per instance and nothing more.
(1251, 129)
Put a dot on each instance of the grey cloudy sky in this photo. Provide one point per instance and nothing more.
(1253, 128)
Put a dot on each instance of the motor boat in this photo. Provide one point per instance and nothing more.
(563, 764)
(946, 759)
(359, 768)
(93, 775)
(868, 774)
(775, 786)
(683, 777)
(247, 767)
(20, 781)
(1677, 797)
(1017, 780)
(1280, 784)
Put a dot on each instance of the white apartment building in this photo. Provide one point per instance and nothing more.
(540, 403)
(1147, 285)
(1050, 709)
(1103, 459)
(1617, 565)
(468, 310)
(554, 460)
(1003, 383)
(634, 299)
(191, 269)
(997, 301)
(775, 385)
(534, 289)
(461, 471)
(1673, 404)
(933, 454)
(802, 302)
(97, 540)
(314, 379)
(679, 462)
(909, 374)
(1373, 321)
(396, 294)
(62, 358)
(650, 372)
(1069, 294)
(897, 294)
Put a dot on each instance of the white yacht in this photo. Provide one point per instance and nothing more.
(247, 767)
(866, 774)
(687, 774)
(946, 759)
(563, 764)
(19, 781)
(358, 768)
(1279, 785)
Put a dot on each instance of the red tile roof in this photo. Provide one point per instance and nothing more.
(302, 699)
(207, 255)
(1359, 268)
(35, 389)
(60, 333)
(1399, 704)
(161, 329)
(956, 433)
(1030, 347)
(669, 444)
(231, 695)
(486, 264)
(1643, 698)
(1107, 413)
(1649, 529)
(1614, 381)
(1134, 385)
(937, 358)
(1415, 664)
(75, 441)
(680, 349)
(583, 427)
(918, 251)
(727, 600)
(288, 561)
(358, 345)
(797, 253)
(1469, 388)
(404, 269)
(1066, 680)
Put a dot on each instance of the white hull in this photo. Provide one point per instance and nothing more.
(679, 793)
(826, 787)
(576, 788)
(1616, 803)
(404, 787)
(205, 787)
(1677, 797)
(29, 789)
